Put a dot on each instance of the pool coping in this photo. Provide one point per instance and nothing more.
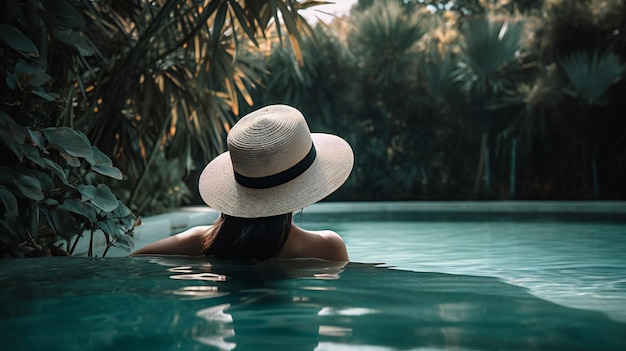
(158, 226)
(190, 216)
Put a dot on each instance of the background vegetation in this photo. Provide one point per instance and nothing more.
(469, 99)
(441, 100)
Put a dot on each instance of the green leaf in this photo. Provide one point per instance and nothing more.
(109, 171)
(488, 54)
(66, 15)
(75, 40)
(36, 138)
(56, 169)
(218, 24)
(32, 153)
(124, 241)
(32, 216)
(18, 41)
(10, 204)
(13, 135)
(88, 192)
(62, 223)
(123, 211)
(243, 22)
(105, 199)
(80, 208)
(11, 81)
(68, 140)
(102, 164)
(31, 75)
(98, 157)
(111, 229)
(29, 187)
(47, 184)
(591, 75)
(50, 202)
(18, 133)
(383, 36)
(288, 18)
(100, 196)
(46, 95)
(125, 216)
(85, 139)
(71, 160)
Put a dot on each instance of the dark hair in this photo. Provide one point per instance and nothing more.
(247, 238)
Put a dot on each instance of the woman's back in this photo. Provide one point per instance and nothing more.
(300, 243)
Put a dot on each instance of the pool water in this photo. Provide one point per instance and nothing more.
(574, 263)
(460, 285)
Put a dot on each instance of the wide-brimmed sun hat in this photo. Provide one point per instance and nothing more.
(274, 165)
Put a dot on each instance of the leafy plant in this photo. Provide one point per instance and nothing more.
(438, 76)
(591, 75)
(173, 77)
(382, 37)
(45, 189)
(488, 61)
(154, 80)
(488, 54)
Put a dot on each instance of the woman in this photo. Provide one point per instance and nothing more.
(274, 166)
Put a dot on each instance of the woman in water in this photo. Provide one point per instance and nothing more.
(274, 166)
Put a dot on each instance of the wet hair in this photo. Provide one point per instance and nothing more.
(247, 238)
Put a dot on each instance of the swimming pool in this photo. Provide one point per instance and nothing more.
(418, 281)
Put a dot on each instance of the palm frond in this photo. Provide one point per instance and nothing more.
(487, 51)
(438, 75)
(591, 75)
(142, 78)
(537, 102)
(382, 37)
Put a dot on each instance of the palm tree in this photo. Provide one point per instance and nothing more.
(489, 58)
(535, 106)
(590, 77)
(383, 39)
(154, 84)
(155, 81)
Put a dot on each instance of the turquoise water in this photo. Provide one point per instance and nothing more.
(496, 285)
(574, 263)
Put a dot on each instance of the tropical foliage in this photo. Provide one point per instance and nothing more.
(44, 191)
(592, 75)
(469, 99)
(153, 84)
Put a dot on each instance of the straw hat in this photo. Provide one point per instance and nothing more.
(274, 165)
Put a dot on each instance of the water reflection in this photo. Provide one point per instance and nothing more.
(217, 315)
(312, 305)
(267, 312)
(143, 304)
(199, 292)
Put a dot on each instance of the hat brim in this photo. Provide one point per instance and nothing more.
(328, 172)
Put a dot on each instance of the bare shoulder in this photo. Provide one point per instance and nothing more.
(195, 231)
(188, 242)
(334, 248)
(323, 244)
(329, 237)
